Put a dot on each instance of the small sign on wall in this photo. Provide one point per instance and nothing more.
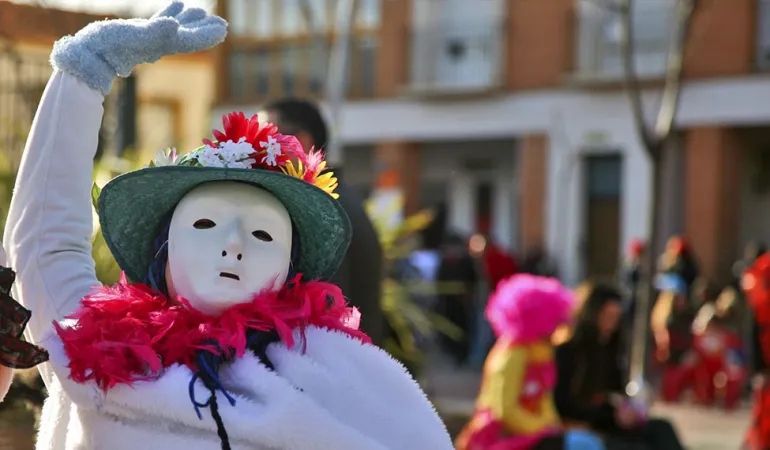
(596, 139)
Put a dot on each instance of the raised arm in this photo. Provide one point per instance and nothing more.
(49, 227)
(50, 219)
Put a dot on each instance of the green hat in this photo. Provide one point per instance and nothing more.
(135, 206)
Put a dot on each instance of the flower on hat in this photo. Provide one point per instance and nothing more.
(247, 143)
(234, 155)
(309, 167)
(167, 157)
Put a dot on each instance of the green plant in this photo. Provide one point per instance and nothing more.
(406, 318)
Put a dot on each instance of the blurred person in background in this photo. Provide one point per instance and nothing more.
(515, 409)
(590, 386)
(679, 259)
(537, 262)
(756, 286)
(361, 273)
(671, 323)
(720, 373)
(742, 310)
(495, 264)
(457, 270)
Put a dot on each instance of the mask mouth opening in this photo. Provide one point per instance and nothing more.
(232, 276)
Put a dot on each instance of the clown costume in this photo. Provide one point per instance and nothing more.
(515, 408)
(222, 332)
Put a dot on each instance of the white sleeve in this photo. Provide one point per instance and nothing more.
(50, 221)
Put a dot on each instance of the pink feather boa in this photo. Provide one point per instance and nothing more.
(527, 308)
(130, 332)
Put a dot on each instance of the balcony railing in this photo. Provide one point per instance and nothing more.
(598, 39)
(263, 71)
(455, 58)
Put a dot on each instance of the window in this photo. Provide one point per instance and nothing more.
(237, 74)
(369, 14)
(319, 12)
(236, 15)
(291, 69)
(292, 18)
(261, 19)
(600, 37)
(363, 65)
(273, 53)
(262, 70)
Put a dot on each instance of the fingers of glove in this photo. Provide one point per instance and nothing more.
(125, 45)
(171, 10)
(191, 15)
(211, 31)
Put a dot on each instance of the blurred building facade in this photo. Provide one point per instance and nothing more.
(512, 114)
(173, 98)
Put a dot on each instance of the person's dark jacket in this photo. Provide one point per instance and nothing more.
(360, 275)
(587, 374)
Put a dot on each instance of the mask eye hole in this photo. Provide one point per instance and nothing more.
(204, 224)
(262, 235)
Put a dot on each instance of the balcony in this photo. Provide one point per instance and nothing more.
(598, 50)
(457, 47)
(266, 70)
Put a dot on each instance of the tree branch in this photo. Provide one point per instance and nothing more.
(631, 80)
(673, 86)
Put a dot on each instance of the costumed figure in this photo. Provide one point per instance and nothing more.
(721, 368)
(515, 408)
(222, 332)
(756, 286)
(671, 324)
(15, 353)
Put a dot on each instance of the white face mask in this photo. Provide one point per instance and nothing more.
(227, 241)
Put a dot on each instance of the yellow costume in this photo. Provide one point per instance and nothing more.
(515, 398)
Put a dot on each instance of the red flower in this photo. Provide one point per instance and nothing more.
(237, 126)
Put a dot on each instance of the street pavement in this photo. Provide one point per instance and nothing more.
(453, 392)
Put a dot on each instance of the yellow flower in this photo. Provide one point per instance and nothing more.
(290, 170)
(326, 182)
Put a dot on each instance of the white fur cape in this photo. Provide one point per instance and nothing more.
(338, 394)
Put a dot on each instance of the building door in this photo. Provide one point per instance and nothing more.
(603, 188)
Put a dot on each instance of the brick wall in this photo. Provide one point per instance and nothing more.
(540, 43)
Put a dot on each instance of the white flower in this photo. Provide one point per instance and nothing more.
(234, 155)
(273, 149)
(167, 157)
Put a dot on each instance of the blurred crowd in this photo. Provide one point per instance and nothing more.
(702, 339)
